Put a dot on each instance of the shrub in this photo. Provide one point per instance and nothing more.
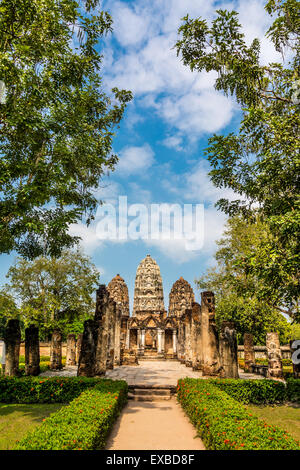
(84, 424)
(43, 389)
(225, 424)
(293, 389)
(253, 391)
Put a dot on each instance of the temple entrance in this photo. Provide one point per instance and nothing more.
(169, 341)
(133, 339)
(150, 339)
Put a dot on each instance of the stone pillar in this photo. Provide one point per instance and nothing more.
(248, 351)
(274, 356)
(163, 340)
(71, 350)
(56, 350)
(209, 337)
(117, 345)
(86, 362)
(174, 342)
(139, 339)
(78, 347)
(188, 338)
(127, 338)
(295, 356)
(12, 345)
(102, 319)
(32, 350)
(159, 341)
(229, 351)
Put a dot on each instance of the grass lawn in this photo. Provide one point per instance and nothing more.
(286, 417)
(16, 420)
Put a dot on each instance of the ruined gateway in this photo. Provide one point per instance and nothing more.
(187, 332)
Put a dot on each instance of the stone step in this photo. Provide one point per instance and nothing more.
(151, 397)
(152, 391)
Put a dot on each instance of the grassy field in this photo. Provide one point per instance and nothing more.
(16, 420)
(286, 417)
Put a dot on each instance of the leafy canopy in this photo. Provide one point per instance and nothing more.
(260, 162)
(55, 292)
(56, 124)
(237, 290)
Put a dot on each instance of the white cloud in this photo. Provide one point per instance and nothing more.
(135, 160)
(89, 239)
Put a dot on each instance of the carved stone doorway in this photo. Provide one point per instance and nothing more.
(150, 339)
(169, 341)
(133, 339)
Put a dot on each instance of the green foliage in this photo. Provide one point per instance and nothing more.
(293, 389)
(57, 125)
(55, 292)
(261, 162)
(84, 424)
(225, 424)
(252, 391)
(46, 389)
(8, 309)
(237, 289)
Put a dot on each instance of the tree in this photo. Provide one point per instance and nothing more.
(237, 290)
(56, 122)
(261, 162)
(55, 292)
(8, 310)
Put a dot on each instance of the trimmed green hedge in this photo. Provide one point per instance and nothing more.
(44, 389)
(84, 424)
(225, 424)
(293, 389)
(253, 391)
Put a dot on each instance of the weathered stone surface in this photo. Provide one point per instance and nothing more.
(210, 344)
(181, 297)
(56, 350)
(229, 351)
(148, 290)
(71, 350)
(274, 355)
(78, 347)
(12, 344)
(86, 364)
(249, 354)
(118, 291)
(32, 350)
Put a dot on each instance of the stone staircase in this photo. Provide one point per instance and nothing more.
(158, 393)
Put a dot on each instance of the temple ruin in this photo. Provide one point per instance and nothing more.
(186, 332)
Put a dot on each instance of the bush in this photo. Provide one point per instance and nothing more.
(43, 389)
(84, 424)
(293, 389)
(253, 391)
(225, 424)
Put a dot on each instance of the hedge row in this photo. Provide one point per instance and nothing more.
(84, 424)
(44, 389)
(225, 424)
(260, 391)
(253, 391)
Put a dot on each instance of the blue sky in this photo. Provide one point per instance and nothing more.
(164, 132)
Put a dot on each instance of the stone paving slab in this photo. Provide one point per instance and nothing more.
(147, 373)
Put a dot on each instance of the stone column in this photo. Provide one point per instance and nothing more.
(159, 342)
(249, 354)
(174, 342)
(274, 356)
(210, 348)
(12, 345)
(117, 346)
(56, 350)
(228, 351)
(163, 340)
(139, 339)
(188, 338)
(71, 350)
(127, 338)
(78, 347)
(32, 350)
(86, 362)
(295, 356)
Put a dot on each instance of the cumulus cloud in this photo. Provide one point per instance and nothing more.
(135, 160)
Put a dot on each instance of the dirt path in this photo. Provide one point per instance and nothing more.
(153, 426)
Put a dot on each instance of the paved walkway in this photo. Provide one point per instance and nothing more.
(147, 373)
(153, 426)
